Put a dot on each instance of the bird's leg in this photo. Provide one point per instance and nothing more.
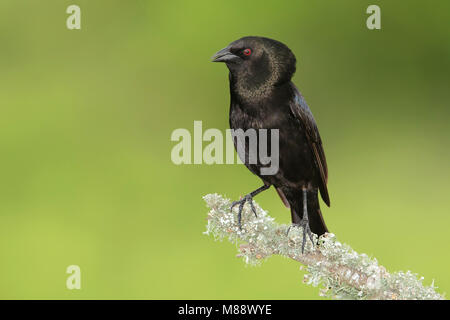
(249, 198)
(304, 223)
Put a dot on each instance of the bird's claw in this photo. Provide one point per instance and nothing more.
(241, 203)
(304, 223)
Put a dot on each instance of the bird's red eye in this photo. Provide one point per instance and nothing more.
(247, 52)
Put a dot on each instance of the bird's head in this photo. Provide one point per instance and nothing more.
(257, 61)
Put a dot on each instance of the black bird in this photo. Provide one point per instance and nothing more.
(263, 97)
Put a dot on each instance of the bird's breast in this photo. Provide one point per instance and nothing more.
(294, 152)
(258, 116)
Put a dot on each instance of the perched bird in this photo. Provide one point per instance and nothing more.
(264, 97)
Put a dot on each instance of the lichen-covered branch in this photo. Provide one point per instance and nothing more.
(338, 269)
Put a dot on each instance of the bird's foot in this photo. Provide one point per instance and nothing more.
(304, 224)
(241, 203)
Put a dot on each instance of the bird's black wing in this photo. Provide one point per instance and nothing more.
(301, 111)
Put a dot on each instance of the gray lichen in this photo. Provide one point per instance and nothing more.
(341, 272)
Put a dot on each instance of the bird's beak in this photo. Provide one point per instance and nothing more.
(223, 55)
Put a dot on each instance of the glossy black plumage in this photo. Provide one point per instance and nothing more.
(263, 97)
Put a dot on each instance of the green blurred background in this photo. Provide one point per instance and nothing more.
(85, 123)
